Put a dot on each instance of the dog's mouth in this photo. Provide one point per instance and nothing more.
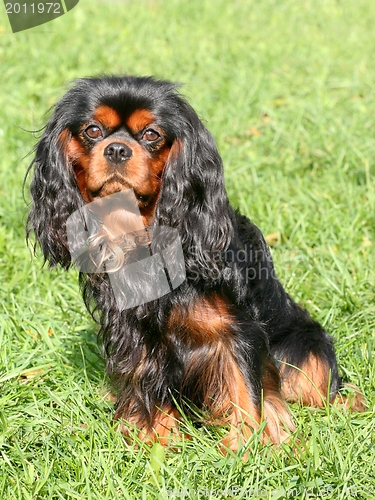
(108, 188)
(117, 183)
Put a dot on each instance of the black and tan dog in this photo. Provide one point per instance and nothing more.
(228, 340)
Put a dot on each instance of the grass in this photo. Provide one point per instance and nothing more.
(287, 88)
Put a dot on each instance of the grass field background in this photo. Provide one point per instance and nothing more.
(287, 88)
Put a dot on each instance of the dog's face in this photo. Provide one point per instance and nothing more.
(114, 150)
(113, 134)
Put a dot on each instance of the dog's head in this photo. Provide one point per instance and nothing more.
(113, 134)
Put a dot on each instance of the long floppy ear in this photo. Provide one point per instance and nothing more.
(54, 194)
(193, 198)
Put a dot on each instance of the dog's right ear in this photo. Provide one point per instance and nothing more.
(54, 193)
(193, 199)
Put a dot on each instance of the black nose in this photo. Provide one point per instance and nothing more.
(117, 152)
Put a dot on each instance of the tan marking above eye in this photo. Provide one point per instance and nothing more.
(107, 116)
(139, 120)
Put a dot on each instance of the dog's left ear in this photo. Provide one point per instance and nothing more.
(193, 198)
(54, 194)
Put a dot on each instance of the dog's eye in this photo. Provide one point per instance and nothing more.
(93, 132)
(150, 135)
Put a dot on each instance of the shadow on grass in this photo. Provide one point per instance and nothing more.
(83, 352)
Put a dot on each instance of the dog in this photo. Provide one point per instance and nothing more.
(223, 341)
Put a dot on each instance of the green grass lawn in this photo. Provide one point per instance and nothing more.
(288, 90)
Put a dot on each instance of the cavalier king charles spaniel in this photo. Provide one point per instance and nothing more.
(128, 185)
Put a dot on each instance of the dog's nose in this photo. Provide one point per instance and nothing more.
(117, 152)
